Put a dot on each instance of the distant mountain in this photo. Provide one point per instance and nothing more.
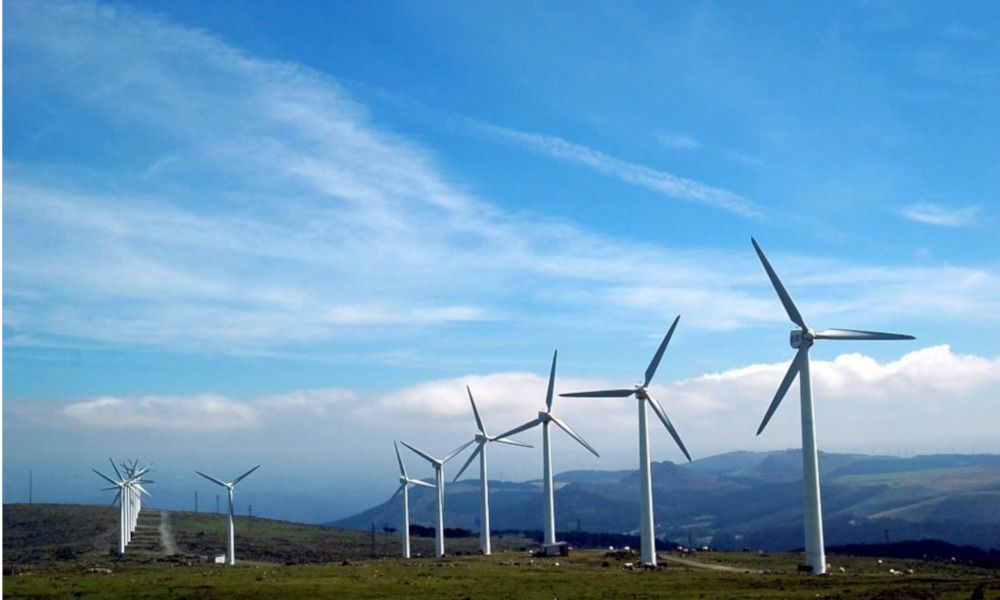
(746, 499)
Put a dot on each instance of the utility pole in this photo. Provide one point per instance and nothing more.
(373, 539)
(196, 501)
(31, 484)
(216, 504)
(250, 516)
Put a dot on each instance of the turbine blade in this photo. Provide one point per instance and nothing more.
(420, 453)
(112, 481)
(419, 482)
(117, 497)
(143, 490)
(521, 428)
(243, 476)
(854, 334)
(552, 381)
(653, 364)
(575, 436)
(117, 472)
(398, 491)
(455, 452)
(600, 394)
(402, 469)
(658, 409)
(793, 370)
(475, 411)
(786, 300)
(212, 479)
(511, 442)
(468, 462)
(109, 489)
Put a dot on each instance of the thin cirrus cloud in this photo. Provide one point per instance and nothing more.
(661, 182)
(930, 213)
(679, 141)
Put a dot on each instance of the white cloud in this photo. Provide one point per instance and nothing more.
(859, 401)
(935, 214)
(202, 412)
(667, 184)
(680, 141)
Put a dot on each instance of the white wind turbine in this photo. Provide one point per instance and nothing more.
(229, 485)
(481, 439)
(640, 391)
(802, 339)
(438, 465)
(544, 418)
(129, 492)
(404, 488)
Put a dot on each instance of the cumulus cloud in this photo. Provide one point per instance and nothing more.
(920, 384)
(202, 412)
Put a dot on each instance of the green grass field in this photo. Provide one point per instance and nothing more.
(287, 560)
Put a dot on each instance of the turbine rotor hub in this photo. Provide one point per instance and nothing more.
(801, 337)
(544, 417)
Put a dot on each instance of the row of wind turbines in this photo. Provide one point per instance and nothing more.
(801, 339)
(129, 485)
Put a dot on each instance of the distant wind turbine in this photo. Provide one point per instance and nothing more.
(404, 488)
(229, 485)
(544, 418)
(802, 339)
(438, 464)
(640, 391)
(481, 439)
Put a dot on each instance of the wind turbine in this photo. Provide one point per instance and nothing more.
(229, 485)
(481, 439)
(129, 498)
(438, 465)
(544, 418)
(802, 339)
(640, 391)
(404, 488)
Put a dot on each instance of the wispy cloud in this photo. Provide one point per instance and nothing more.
(678, 141)
(935, 214)
(666, 184)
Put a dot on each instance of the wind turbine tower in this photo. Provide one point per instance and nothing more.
(229, 485)
(802, 339)
(482, 438)
(647, 528)
(404, 488)
(438, 465)
(545, 418)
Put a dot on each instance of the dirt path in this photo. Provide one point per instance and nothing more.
(167, 534)
(687, 562)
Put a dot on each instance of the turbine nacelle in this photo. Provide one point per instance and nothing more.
(801, 337)
(544, 416)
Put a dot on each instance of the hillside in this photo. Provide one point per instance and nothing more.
(747, 499)
(47, 533)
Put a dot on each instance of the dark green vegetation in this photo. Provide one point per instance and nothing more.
(750, 499)
(35, 566)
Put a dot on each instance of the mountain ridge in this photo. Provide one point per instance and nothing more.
(746, 499)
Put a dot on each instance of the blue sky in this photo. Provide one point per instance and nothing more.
(251, 233)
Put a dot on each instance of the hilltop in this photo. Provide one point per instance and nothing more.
(747, 499)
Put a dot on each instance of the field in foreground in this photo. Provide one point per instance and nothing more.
(62, 551)
(584, 574)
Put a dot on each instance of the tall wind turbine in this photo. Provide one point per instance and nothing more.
(544, 418)
(229, 485)
(438, 464)
(802, 339)
(640, 391)
(128, 497)
(481, 439)
(404, 488)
